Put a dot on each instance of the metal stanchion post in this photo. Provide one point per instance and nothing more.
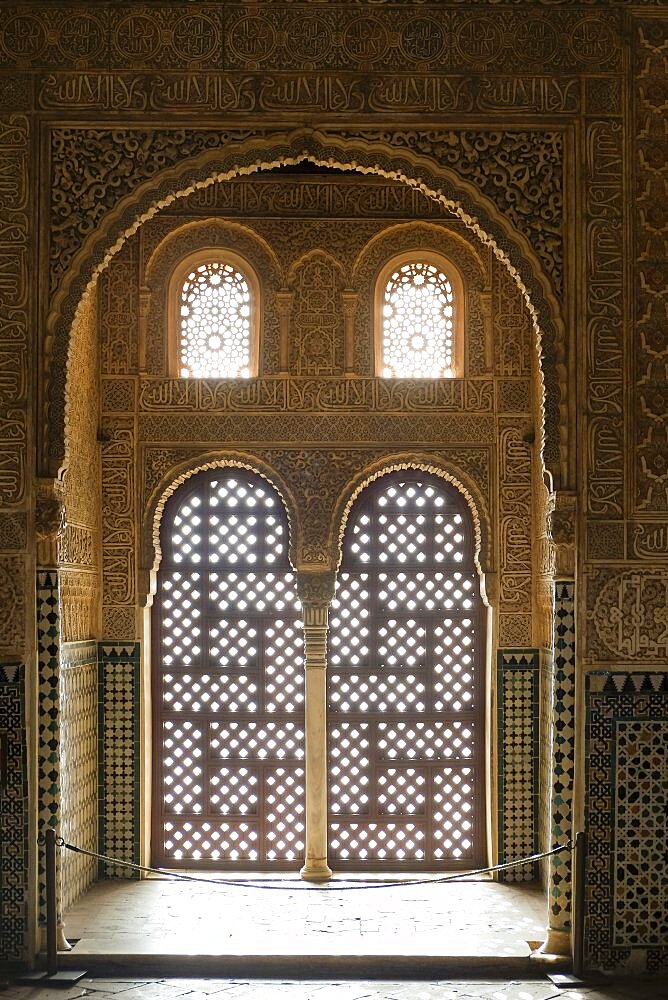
(67, 977)
(51, 911)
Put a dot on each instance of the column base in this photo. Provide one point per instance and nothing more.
(316, 870)
(556, 943)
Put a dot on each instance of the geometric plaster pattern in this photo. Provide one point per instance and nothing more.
(626, 778)
(563, 752)
(118, 729)
(518, 756)
(13, 815)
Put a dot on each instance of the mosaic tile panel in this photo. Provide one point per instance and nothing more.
(626, 923)
(48, 666)
(79, 765)
(13, 816)
(118, 727)
(563, 752)
(518, 757)
(546, 661)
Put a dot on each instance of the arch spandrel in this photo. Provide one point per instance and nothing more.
(247, 153)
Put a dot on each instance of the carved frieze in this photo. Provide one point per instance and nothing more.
(14, 306)
(12, 602)
(412, 430)
(605, 319)
(118, 512)
(197, 93)
(332, 37)
(515, 518)
(316, 395)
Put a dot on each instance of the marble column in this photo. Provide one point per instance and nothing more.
(316, 591)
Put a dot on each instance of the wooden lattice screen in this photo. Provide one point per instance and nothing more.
(405, 682)
(228, 680)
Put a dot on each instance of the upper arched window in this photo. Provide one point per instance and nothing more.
(215, 296)
(419, 318)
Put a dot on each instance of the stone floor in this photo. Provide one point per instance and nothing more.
(159, 916)
(235, 989)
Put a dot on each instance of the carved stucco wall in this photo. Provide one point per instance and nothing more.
(574, 68)
(79, 540)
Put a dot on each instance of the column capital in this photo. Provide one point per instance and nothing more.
(50, 519)
(316, 587)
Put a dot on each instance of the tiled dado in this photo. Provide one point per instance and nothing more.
(78, 763)
(518, 757)
(626, 778)
(49, 713)
(13, 816)
(563, 753)
(119, 753)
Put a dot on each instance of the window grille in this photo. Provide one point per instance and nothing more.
(215, 322)
(417, 321)
(405, 682)
(228, 679)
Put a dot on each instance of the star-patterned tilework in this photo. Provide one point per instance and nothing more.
(119, 755)
(13, 817)
(518, 748)
(626, 754)
(563, 753)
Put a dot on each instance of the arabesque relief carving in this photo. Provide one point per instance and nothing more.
(650, 291)
(328, 149)
(499, 163)
(628, 615)
(317, 282)
(12, 601)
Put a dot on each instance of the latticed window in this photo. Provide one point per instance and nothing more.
(405, 682)
(228, 679)
(419, 309)
(216, 320)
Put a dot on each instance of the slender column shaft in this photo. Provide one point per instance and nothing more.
(316, 592)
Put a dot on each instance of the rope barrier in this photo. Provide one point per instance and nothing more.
(327, 886)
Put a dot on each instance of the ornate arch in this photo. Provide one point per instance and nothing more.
(469, 178)
(151, 552)
(199, 237)
(426, 463)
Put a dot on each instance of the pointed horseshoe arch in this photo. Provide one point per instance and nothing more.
(263, 151)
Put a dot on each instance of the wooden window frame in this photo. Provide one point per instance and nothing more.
(444, 264)
(209, 255)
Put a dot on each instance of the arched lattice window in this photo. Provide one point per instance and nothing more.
(419, 318)
(215, 317)
(405, 682)
(228, 679)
